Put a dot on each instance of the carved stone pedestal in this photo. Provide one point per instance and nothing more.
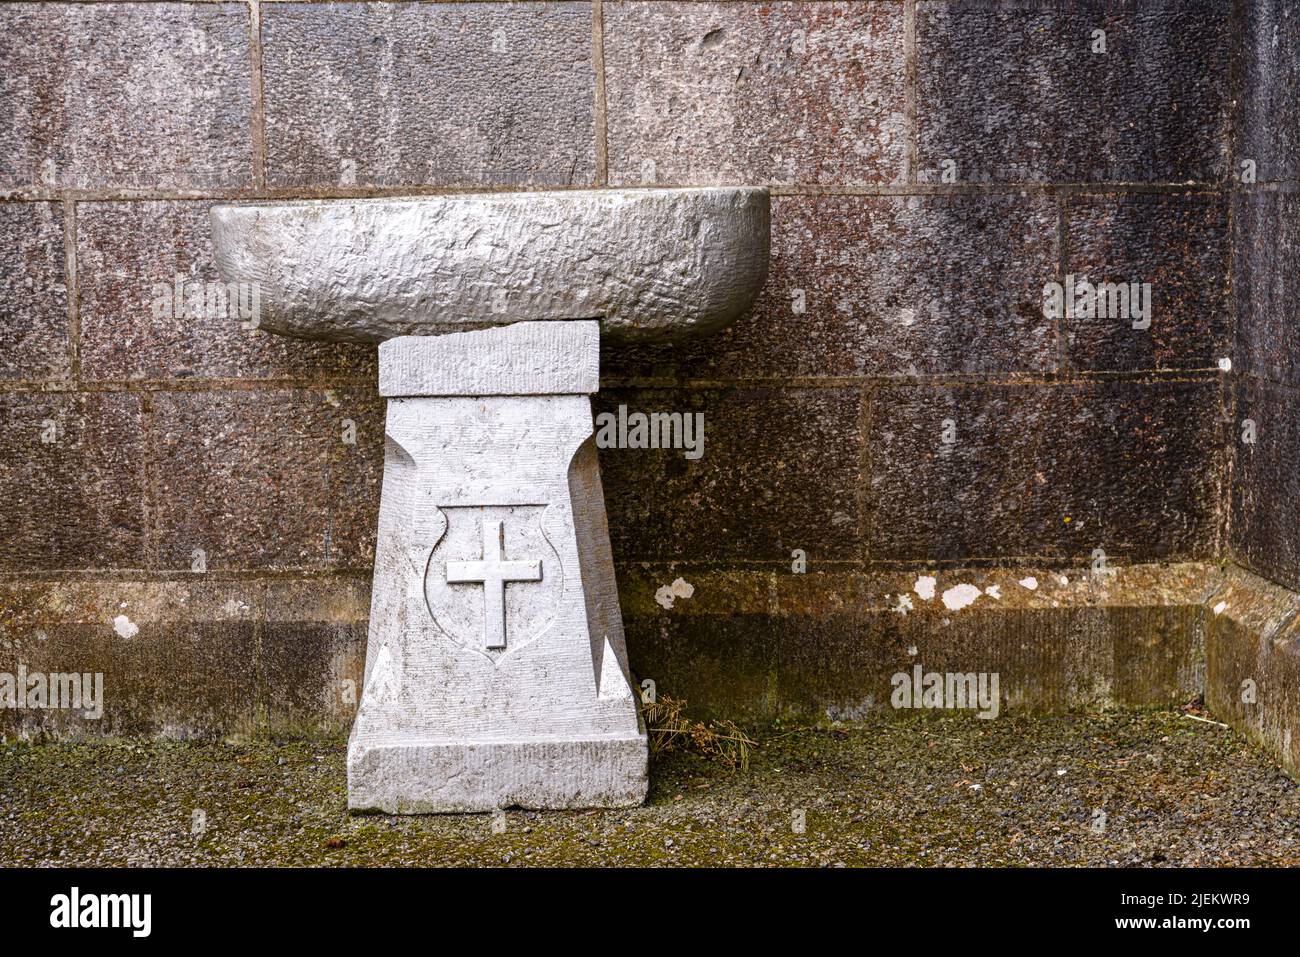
(496, 672)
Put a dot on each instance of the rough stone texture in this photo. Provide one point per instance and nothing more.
(1178, 244)
(76, 500)
(263, 480)
(33, 292)
(1011, 91)
(313, 651)
(496, 670)
(1266, 482)
(166, 649)
(149, 95)
(1266, 257)
(655, 263)
(1131, 637)
(129, 255)
(1254, 645)
(755, 93)
(781, 469)
(526, 358)
(369, 101)
(1125, 467)
(1268, 116)
(453, 93)
(1266, 283)
(714, 649)
(887, 286)
(1253, 659)
(746, 645)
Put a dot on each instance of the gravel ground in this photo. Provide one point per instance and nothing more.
(928, 791)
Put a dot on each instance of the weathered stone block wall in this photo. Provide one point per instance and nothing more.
(1265, 518)
(183, 509)
(1253, 646)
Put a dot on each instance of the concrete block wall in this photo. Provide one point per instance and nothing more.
(181, 502)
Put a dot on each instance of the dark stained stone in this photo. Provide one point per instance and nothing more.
(1178, 244)
(1266, 283)
(885, 286)
(1044, 470)
(262, 480)
(1268, 115)
(1012, 92)
(1266, 481)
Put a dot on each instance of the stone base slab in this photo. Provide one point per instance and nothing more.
(434, 778)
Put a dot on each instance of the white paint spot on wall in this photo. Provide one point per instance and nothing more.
(1225, 364)
(925, 587)
(959, 596)
(912, 650)
(993, 591)
(1063, 580)
(668, 594)
(904, 604)
(1219, 608)
(125, 627)
(1029, 582)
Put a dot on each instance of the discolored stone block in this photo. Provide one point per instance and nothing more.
(884, 286)
(259, 480)
(177, 659)
(1268, 116)
(713, 93)
(1057, 640)
(826, 645)
(428, 93)
(961, 472)
(33, 292)
(1253, 664)
(115, 95)
(1177, 244)
(1265, 482)
(779, 470)
(1266, 283)
(312, 676)
(1011, 91)
(1046, 659)
(149, 309)
(73, 481)
(713, 649)
(313, 652)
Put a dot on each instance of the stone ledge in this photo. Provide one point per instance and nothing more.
(1253, 663)
(270, 657)
(765, 645)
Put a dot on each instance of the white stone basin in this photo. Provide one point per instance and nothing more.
(496, 666)
(650, 264)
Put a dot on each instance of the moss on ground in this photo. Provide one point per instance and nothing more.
(949, 790)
